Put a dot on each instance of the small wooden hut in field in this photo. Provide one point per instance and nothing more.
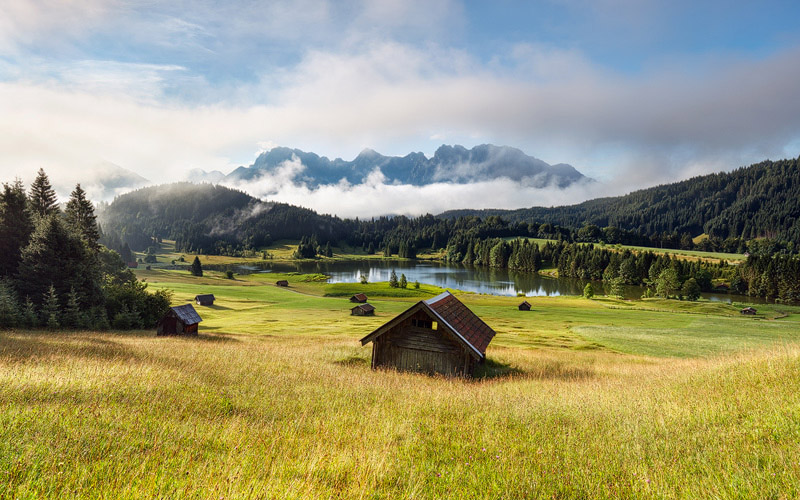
(525, 306)
(363, 310)
(438, 335)
(204, 300)
(359, 298)
(282, 283)
(179, 320)
(748, 310)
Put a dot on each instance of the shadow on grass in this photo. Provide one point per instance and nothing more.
(33, 345)
(214, 307)
(352, 360)
(493, 369)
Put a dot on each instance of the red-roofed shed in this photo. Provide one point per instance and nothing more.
(438, 335)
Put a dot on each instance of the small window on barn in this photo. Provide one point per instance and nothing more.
(434, 326)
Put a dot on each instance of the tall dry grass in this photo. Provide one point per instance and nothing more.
(110, 416)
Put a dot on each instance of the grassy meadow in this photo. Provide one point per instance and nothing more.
(579, 398)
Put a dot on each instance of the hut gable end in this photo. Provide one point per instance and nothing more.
(440, 335)
(179, 320)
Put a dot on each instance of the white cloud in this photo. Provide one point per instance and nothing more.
(375, 197)
(553, 104)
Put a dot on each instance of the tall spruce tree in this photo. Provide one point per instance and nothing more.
(43, 200)
(79, 214)
(50, 308)
(15, 226)
(196, 268)
(55, 255)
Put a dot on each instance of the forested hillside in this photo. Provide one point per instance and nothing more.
(757, 201)
(209, 219)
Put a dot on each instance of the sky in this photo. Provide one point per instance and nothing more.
(632, 93)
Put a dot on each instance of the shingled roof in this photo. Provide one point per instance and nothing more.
(462, 321)
(453, 315)
(187, 314)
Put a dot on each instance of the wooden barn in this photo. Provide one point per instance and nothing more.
(363, 310)
(179, 320)
(204, 300)
(525, 306)
(748, 310)
(359, 298)
(438, 335)
(282, 283)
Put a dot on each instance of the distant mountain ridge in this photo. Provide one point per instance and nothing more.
(453, 164)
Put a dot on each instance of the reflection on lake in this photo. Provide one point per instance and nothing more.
(460, 277)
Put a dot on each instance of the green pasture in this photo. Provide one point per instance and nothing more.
(579, 398)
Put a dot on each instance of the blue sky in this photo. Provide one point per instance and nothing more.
(630, 92)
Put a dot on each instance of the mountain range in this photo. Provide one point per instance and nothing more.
(452, 164)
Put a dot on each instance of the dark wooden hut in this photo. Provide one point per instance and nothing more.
(282, 283)
(179, 320)
(525, 306)
(363, 310)
(748, 310)
(438, 335)
(359, 298)
(204, 300)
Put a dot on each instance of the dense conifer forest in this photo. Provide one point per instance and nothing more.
(54, 273)
(759, 201)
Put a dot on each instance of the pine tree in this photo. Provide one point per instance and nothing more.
(393, 280)
(403, 281)
(50, 309)
(43, 200)
(29, 317)
(127, 255)
(15, 226)
(79, 214)
(57, 256)
(588, 291)
(196, 268)
(72, 313)
(9, 308)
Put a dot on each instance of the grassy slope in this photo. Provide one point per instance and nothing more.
(591, 399)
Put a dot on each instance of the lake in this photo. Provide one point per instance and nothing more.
(467, 278)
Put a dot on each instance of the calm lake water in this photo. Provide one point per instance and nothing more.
(470, 279)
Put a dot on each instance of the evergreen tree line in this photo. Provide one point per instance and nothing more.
(759, 201)
(54, 273)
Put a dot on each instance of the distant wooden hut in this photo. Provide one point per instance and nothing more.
(179, 320)
(363, 310)
(204, 300)
(525, 306)
(748, 310)
(282, 283)
(359, 298)
(438, 335)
